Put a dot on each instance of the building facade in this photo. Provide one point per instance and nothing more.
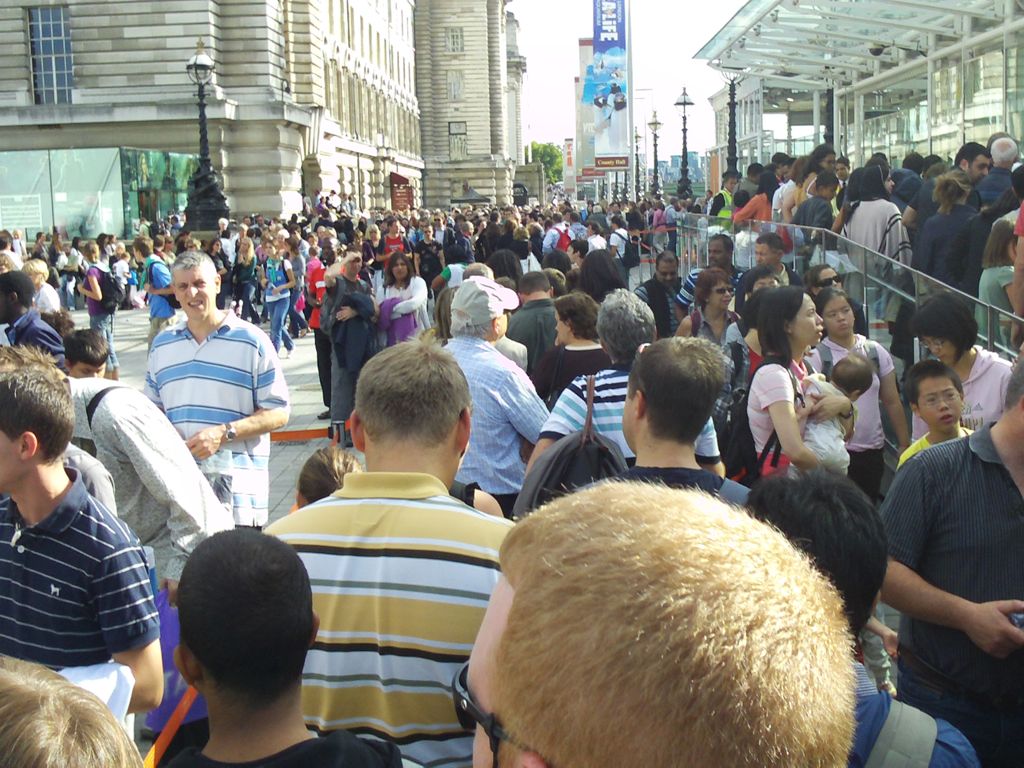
(462, 71)
(307, 95)
(892, 77)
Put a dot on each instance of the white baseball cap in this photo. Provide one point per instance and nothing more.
(479, 300)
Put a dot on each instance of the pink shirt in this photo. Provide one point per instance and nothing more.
(772, 384)
(868, 434)
(984, 393)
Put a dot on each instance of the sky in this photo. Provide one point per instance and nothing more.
(665, 37)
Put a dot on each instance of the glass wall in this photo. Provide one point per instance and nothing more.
(1015, 91)
(83, 192)
(983, 96)
(947, 110)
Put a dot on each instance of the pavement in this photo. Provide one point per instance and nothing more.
(286, 456)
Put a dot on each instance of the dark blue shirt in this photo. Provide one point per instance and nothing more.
(74, 588)
(992, 186)
(32, 331)
(935, 241)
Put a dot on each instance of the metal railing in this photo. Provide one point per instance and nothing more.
(883, 285)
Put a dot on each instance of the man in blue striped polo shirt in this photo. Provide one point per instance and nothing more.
(220, 383)
(74, 589)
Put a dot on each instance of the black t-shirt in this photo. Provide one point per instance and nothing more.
(338, 750)
(430, 260)
(688, 479)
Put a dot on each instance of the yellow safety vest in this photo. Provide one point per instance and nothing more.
(726, 212)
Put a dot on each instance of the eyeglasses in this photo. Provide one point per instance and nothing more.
(724, 289)
(470, 714)
(828, 282)
(933, 344)
(949, 397)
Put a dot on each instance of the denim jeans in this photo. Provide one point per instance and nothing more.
(105, 325)
(68, 283)
(296, 322)
(997, 736)
(278, 311)
(248, 309)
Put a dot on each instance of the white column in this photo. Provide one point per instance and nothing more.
(816, 116)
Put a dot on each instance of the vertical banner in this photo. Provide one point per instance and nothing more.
(569, 168)
(584, 112)
(606, 87)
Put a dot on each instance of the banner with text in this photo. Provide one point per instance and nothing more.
(606, 86)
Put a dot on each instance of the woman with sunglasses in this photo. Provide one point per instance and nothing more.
(712, 293)
(822, 276)
(866, 447)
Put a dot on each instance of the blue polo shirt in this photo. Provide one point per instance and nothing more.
(159, 276)
(74, 588)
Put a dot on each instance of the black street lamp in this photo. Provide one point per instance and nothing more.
(655, 126)
(636, 164)
(731, 158)
(683, 188)
(206, 201)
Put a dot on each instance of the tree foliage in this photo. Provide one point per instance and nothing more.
(550, 157)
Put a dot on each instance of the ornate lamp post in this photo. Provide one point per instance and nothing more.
(655, 126)
(731, 158)
(206, 201)
(683, 189)
(636, 164)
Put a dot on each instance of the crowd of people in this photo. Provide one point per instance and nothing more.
(581, 508)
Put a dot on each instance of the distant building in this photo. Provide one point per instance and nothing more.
(468, 82)
(307, 95)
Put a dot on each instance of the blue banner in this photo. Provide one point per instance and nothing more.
(606, 87)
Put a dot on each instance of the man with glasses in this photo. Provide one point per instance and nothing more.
(637, 625)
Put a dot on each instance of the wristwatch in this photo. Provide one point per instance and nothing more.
(231, 434)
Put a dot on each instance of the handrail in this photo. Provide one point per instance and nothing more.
(874, 269)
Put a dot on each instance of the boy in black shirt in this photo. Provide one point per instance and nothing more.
(247, 620)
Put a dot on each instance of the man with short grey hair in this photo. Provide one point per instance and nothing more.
(220, 383)
(507, 412)
(625, 324)
(1004, 154)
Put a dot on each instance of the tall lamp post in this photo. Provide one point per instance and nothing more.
(206, 201)
(683, 189)
(731, 158)
(636, 164)
(655, 126)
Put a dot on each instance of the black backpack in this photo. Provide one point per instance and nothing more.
(631, 256)
(573, 461)
(111, 292)
(742, 461)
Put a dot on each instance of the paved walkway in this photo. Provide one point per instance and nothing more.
(286, 458)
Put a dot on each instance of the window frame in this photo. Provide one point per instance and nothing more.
(51, 62)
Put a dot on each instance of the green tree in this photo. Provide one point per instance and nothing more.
(550, 157)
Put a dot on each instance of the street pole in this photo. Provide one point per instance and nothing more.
(636, 164)
(206, 202)
(683, 188)
(731, 158)
(655, 126)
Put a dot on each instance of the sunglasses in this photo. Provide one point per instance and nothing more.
(471, 715)
(722, 290)
(828, 282)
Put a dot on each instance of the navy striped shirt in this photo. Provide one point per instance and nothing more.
(74, 588)
(955, 517)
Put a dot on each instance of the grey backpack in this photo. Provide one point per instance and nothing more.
(906, 740)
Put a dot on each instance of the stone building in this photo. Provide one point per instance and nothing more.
(463, 83)
(307, 94)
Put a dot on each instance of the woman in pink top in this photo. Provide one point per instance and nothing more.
(867, 459)
(787, 325)
(947, 327)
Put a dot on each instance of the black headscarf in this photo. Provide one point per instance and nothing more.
(872, 184)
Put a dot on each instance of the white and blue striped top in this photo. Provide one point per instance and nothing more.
(231, 375)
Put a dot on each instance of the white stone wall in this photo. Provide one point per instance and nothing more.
(480, 107)
(284, 116)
